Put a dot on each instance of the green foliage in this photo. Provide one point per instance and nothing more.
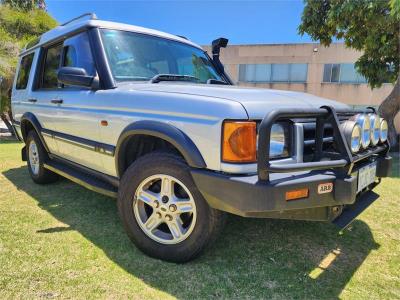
(23, 4)
(369, 26)
(18, 26)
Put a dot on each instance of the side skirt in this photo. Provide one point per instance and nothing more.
(81, 177)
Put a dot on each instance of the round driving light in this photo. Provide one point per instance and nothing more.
(352, 132)
(365, 124)
(375, 128)
(355, 142)
(384, 131)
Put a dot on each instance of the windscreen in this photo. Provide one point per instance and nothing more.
(135, 57)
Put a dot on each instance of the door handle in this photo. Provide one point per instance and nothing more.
(32, 100)
(57, 101)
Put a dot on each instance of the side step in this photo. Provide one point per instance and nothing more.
(88, 181)
(353, 211)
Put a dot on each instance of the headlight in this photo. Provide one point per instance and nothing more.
(375, 128)
(239, 141)
(279, 145)
(383, 131)
(352, 132)
(365, 124)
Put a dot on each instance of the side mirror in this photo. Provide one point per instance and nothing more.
(76, 76)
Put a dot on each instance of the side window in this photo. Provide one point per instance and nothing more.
(51, 65)
(77, 53)
(24, 70)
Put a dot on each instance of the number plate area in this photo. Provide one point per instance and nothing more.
(366, 176)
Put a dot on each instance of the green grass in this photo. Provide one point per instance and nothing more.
(62, 241)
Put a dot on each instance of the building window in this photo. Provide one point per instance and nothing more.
(273, 72)
(342, 73)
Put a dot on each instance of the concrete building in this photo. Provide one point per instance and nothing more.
(312, 68)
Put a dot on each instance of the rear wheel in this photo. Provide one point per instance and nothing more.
(163, 212)
(36, 156)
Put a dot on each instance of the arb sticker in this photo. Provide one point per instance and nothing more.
(325, 188)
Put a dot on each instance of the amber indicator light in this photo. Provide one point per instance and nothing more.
(239, 142)
(296, 194)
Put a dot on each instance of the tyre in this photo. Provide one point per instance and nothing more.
(36, 156)
(162, 210)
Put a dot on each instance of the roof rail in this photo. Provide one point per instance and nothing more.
(92, 17)
(182, 36)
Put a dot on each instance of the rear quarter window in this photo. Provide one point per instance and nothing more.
(24, 70)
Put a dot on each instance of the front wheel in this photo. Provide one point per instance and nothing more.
(163, 212)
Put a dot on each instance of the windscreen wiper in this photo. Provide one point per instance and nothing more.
(216, 81)
(173, 77)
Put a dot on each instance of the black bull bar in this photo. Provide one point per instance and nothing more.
(323, 115)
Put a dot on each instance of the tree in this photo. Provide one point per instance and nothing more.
(25, 4)
(18, 26)
(369, 26)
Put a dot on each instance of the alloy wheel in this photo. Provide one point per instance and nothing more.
(164, 209)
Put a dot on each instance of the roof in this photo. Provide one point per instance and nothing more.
(64, 30)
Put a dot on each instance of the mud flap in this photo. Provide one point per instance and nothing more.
(23, 153)
(353, 211)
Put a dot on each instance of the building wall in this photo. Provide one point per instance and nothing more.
(316, 56)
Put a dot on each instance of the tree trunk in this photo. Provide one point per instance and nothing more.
(7, 122)
(388, 110)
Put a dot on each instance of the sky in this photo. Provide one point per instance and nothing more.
(241, 21)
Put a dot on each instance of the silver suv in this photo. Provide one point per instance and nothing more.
(151, 119)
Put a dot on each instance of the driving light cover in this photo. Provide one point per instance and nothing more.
(239, 141)
(383, 131)
(352, 133)
(375, 129)
(365, 124)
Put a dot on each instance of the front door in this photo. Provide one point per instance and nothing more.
(76, 122)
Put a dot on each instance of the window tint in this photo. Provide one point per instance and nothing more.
(24, 70)
(70, 56)
(273, 73)
(335, 73)
(342, 73)
(77, 53)
(280, 72)
(327, 73)
(51, 64)
(298, 72)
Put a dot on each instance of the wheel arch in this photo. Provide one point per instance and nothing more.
(174, 136)
(29, 122)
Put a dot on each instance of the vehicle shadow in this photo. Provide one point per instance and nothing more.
(253, 258)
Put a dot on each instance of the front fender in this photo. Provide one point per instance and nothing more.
(165, 131)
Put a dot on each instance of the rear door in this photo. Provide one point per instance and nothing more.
(41, 90)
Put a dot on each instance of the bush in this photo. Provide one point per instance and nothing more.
(17, 28)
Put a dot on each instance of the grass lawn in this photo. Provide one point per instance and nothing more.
(63, 241)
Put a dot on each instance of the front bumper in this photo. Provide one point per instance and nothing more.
(264, 194)
(250, 197)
